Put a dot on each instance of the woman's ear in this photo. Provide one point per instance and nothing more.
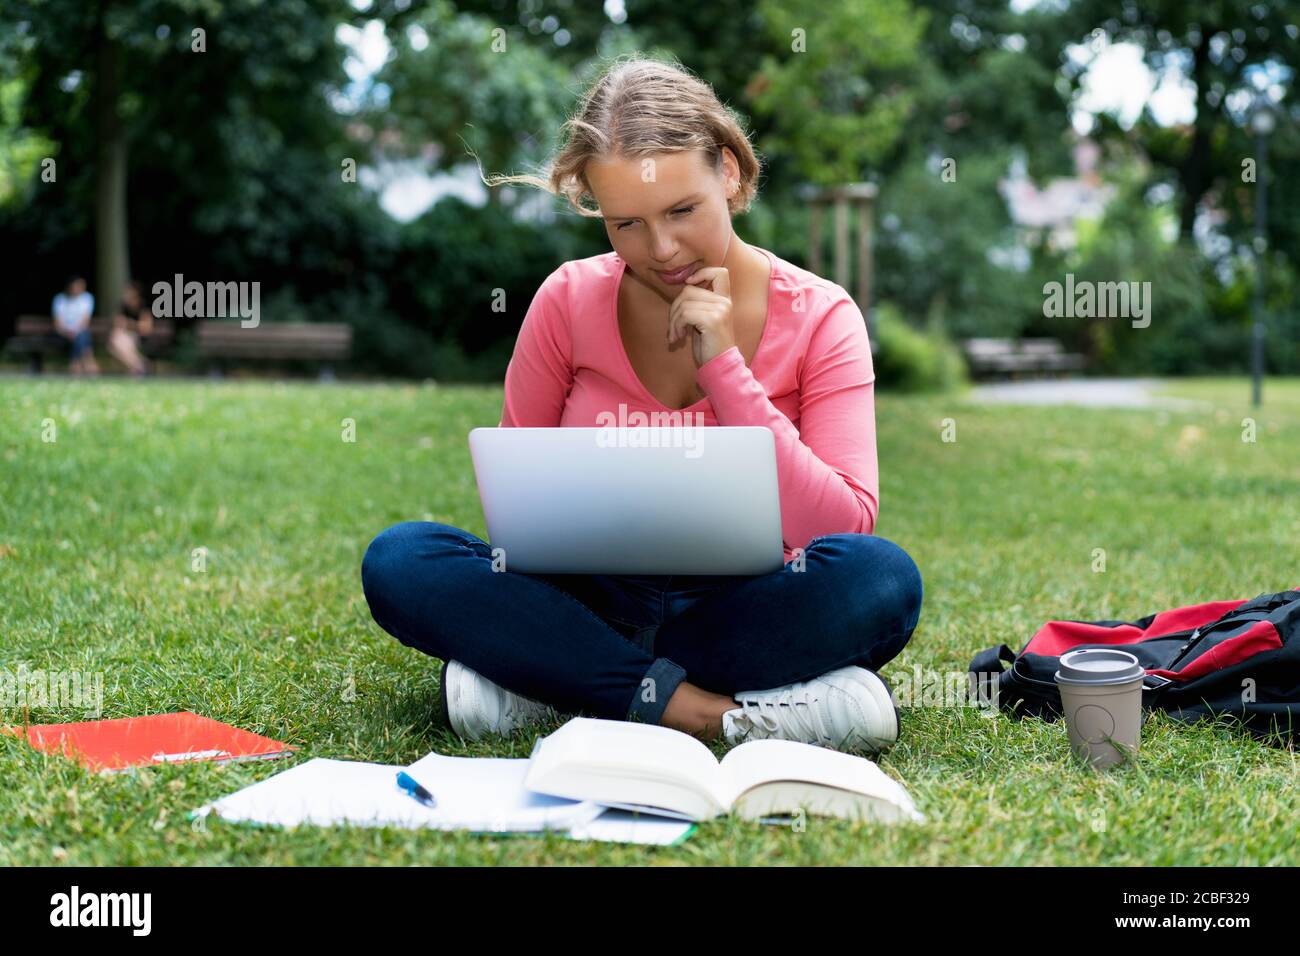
(730, 172)
(730, 165)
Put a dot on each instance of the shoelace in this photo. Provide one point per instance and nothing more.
(803, 716)
(518, 705)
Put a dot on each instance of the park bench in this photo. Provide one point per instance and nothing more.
(34, 336)
(1011, 357)
(221, 341)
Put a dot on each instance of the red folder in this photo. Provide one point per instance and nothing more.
(158, 738)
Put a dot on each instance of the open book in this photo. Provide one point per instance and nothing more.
(656, 769)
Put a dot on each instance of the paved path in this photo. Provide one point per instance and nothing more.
(1093, 392)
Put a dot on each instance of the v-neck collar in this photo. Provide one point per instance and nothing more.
(627, 361)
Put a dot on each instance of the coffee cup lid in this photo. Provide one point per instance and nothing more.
(1098, 665)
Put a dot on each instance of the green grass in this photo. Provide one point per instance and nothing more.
(97, 530)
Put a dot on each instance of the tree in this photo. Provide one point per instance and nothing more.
(176, 79)
(946, 248)
(842, 93)
(454, 82)
(1218, 45)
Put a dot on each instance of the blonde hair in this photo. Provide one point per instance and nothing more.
(637, 107)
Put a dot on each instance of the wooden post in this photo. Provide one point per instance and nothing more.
(864, 256)
(861, 196)
(815, 238)
(842, 241)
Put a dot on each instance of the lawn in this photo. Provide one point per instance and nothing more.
(98, 531)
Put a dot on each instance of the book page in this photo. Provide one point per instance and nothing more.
(622, 826)
(624, 762)
(759, 762)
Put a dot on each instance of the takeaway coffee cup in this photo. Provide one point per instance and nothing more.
(1101, 695)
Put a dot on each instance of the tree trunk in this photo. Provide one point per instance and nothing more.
(112, 261)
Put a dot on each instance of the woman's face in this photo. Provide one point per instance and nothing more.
(664, 212)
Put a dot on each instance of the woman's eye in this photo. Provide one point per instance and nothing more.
(684, 210)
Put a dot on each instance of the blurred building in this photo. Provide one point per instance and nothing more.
(1061, 202)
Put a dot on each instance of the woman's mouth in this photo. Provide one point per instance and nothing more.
(680, 276)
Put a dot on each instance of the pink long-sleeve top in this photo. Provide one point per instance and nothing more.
(811, 383)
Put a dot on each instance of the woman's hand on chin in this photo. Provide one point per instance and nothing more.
(704, 314)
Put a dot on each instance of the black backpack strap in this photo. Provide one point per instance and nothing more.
(1153, 686)
(989, 661)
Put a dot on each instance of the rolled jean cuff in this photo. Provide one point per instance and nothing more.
(659, 684)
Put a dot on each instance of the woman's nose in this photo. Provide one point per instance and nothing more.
(663, 248)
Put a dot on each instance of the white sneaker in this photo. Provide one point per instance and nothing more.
(846, 708)
(473, 706)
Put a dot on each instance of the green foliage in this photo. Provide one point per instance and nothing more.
(944, 249)
(467, 275)
(234, 151)
(1224, 47)
(913, 361)
(840, 101)
(464, 93)
(1184, 335)
(21, 150)
(1200, 322)
(983, 90)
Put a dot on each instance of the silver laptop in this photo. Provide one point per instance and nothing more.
(677, 500)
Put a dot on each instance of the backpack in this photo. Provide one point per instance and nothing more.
(1239, 658)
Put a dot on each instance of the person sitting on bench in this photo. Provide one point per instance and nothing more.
(72, 310)
(133, 320)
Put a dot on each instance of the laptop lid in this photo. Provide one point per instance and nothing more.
(684, 500)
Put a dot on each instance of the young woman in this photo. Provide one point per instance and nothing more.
(133, 320)
(681, 316)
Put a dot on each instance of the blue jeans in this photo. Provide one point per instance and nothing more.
(80, 344)
(617, 646)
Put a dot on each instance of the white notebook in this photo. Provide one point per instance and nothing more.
(324, 792)
(656, 769)
(488, 794)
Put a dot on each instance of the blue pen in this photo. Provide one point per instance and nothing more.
(407, 783)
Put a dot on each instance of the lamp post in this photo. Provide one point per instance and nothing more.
(1262, 122)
